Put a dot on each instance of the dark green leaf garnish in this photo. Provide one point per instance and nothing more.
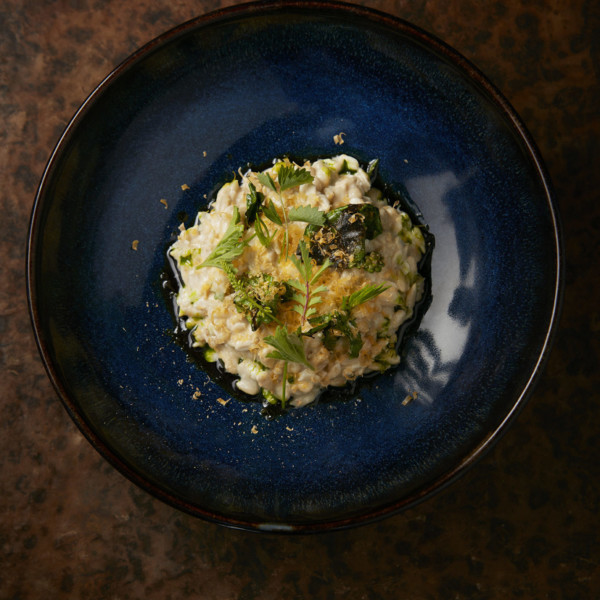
(254, 202)
(254, 208)
(270, 212)
(372, 169)
(342, 238)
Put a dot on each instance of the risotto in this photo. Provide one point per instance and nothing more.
(298, 278)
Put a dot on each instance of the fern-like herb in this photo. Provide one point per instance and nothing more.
(288, 176)
(305, 295)
(361, 296)
(230, 246)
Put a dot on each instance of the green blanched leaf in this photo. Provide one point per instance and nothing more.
(372, 169)
(231, 244)
(307, 214)
(253, 204)
(186, 260)
(345, 169)
(343, 236)
(290, 176)
(288, 347)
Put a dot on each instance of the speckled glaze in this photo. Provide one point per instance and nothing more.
(246, 85)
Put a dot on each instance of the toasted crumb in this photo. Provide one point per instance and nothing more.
(409, 398)
(163, 201)
(254, 429)
(338, 138)
(222, 401)
(196, 395)
(180, 382)
(134, 244)
(185, 186)
(204, 153)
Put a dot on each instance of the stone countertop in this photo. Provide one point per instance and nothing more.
(523, 523)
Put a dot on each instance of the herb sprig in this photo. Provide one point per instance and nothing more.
(340, 323)
(289, 347)
(288, 176)
(254, 208)
(305, 295)
(230, 246)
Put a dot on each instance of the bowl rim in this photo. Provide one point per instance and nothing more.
(340, 9)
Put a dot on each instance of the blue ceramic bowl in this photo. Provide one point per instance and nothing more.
(247, 84)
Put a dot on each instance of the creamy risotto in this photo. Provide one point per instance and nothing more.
(298, 278)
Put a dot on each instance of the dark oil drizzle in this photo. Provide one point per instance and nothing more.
(171, 283)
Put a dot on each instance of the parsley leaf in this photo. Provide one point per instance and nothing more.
(267, 181)
(307, 214)
(290, 176)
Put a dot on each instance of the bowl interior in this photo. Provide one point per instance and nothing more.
(242, 87)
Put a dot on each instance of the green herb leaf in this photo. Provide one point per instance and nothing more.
(290, 176)
(231, 244)
(372, 169)
(288, 347)
(307, 214)
(262, 233)
(253, 203)
(270, 212)
(363, 295)
(307, 296)
(267, 181)
(339, 324)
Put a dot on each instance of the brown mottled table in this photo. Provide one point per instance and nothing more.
(523, 523)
